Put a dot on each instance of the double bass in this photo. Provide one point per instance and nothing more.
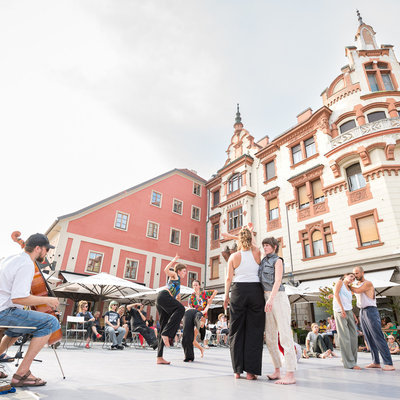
(40, 287)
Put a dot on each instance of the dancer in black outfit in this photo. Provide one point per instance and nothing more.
(247, 317)
(169, 308)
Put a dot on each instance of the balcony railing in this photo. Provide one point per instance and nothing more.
(366, 129)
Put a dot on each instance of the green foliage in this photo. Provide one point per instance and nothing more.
(326, 299)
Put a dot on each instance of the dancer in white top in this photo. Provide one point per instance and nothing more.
(247, 315)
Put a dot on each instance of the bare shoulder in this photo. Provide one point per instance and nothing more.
(235, 259)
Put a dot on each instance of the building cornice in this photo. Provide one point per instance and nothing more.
(237, 197)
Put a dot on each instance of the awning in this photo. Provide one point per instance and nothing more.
(71, 276)
(380, 279)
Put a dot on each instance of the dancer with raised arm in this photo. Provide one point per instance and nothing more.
(277, 313)
(371, 322)
(247, 317)
(345, 321)
(169, 308)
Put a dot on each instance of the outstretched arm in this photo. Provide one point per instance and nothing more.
(167, 269)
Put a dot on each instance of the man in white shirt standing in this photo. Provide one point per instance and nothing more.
(16, 275)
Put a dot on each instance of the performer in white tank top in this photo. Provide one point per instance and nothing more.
(247, 271)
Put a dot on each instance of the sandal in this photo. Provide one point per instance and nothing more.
(24, 380)
(3, 375)
(5, 358)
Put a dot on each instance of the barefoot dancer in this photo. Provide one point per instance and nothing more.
(247, 317)
(345, 321)
(371, 322)
(169, 308)
(16, 275)
(278, 313)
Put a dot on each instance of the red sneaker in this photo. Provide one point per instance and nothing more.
(87, 346)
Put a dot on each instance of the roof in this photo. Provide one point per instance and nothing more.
(185, 171)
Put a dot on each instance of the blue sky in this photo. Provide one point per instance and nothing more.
(98, 96)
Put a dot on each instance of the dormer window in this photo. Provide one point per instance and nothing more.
(347, 126)
(379, 76)
(235, 183)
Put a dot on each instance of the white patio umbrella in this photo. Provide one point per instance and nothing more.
(298, 296)
(149, 297)
(100, 286)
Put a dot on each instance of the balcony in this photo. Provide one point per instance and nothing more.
(364, 130)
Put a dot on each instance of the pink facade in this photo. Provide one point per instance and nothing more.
(118, 245)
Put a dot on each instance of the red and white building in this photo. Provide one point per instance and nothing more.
(135, 234)
(327, 188)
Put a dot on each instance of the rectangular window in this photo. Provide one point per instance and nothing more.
(215, 198)
(355, 177)
(303, 198)
(215, 231)
(121, 221)
(235, 218)
(373, 83)
(367, 230)
(387, 81)
(270, 170)
(215, 268)
(196, 213)
(94, 262)
(156, 199)
(177, 207)
(329, 244)
(152, 230)
(273, 210)
(310, 147)
(318, 194)
(131, 268)
(175, 237)
(296, 154)
(196, 189)
(307, 253)
(194, 242)
(235, 183)
(192, 276)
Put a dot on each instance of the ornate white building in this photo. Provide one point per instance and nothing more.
(327, 188)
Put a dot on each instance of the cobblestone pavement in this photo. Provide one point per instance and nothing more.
(99, 374)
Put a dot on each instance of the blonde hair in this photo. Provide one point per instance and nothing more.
(81, 304)
(314, 324)
(111, 304)
(245, 239)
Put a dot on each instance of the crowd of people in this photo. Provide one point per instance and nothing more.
(259, 312)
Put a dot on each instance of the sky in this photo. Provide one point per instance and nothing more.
(99, 96)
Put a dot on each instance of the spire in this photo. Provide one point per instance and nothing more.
(359, 18)
(238, 119)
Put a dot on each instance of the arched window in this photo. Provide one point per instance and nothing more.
(376, 116)
(355, 177)
(318, 244)
(347, 126)
(235, 183)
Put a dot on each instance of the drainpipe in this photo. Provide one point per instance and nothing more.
(205, 247)
(290, 246)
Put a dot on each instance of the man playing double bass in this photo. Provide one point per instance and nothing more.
(16, 275)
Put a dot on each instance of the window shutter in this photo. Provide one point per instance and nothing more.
(317, 235)
(367, 229)
(303, 198)
(317, 189)
(273, 203)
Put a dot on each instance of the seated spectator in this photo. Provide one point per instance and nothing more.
(112, 322)
(331, 329)
(388, 327)
(151, 324)
(97, 324)
(322, 326)
(222, 328)
(307, 325)
(121, 312)
(294, 324)
(138, 323)
(318, 345)
(89, 321)
(393, 345)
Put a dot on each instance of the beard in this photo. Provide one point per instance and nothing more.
(40, 259)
